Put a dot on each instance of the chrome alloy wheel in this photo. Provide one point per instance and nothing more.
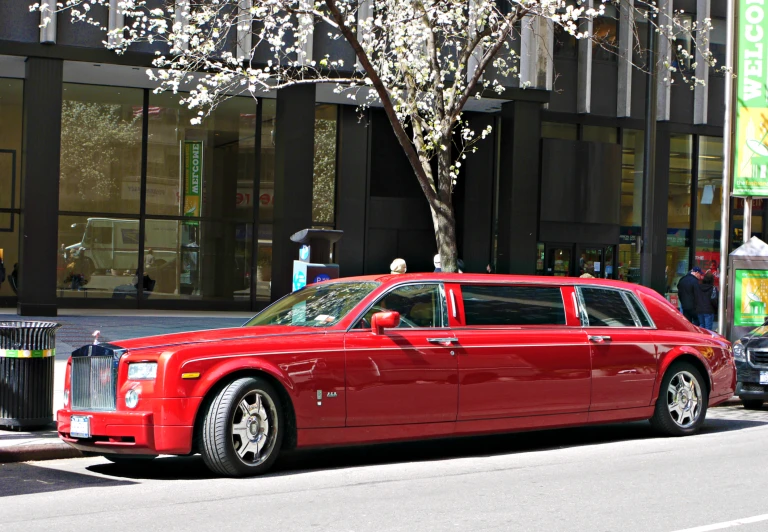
(684, 399)
(254, 426)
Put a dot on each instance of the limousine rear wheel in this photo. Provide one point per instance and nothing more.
(682, 403)
(242, 429)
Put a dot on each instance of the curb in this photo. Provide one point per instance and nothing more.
(38, 451)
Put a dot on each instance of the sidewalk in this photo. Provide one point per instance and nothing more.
(77, 330)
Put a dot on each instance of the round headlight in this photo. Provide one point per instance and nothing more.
(66, 397)
(738, 352)
(131, 398)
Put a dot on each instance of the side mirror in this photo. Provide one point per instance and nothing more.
(384, 320)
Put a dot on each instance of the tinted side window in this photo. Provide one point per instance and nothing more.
(606, 308)
(513, 305)
(419, 305)
(641, 315)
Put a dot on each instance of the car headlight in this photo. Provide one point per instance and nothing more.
(132, 398)
(738, 352)
(142, 371)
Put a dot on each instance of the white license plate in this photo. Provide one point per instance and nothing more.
(80, 426)
(764, 377)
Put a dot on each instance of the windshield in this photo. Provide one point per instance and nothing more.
(321, 305)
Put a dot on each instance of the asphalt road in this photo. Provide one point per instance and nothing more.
(619, 477)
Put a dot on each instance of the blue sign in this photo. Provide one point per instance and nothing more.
(304, 253)
(299, 281)
(322, 277)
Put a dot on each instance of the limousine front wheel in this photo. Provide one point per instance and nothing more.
(242, 429)
(682, 403)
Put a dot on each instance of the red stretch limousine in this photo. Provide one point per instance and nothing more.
(396, 357)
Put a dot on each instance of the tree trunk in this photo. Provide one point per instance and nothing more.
(442, 211)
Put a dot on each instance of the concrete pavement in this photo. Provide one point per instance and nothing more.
(77, 330)
(621, 477)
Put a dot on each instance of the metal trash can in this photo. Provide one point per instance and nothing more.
(27, 353)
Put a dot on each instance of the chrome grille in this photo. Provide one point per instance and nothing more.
(93, 383)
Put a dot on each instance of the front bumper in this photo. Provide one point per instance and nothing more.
(748, 385)
(126, 433)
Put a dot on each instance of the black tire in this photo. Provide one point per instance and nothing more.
(220, 443)
(129, 459)
(752, 404)
(663, 420)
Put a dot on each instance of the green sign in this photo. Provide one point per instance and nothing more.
(750, 173)
(750, 297)
(193, 173)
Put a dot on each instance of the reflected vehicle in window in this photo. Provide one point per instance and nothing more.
(398, 357)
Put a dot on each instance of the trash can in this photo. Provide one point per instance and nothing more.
(27, 350)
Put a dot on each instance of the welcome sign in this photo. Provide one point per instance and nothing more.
(750, 175)
(193, 173)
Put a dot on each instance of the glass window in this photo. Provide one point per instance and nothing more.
(324, 179)
(97, 257)
(201, 170)
(631, 205)
(600, 134)
(555, 130)
(606, 308)
(419, 305)
(540, 259)
(605, 35)
(513, 305)
(565, 44)
(679, 210)
(717, 42)
(100, 149)
(9, 258)
(639, 311)
(709, 204)
(266, 201)
(315, 306)
(186, 259)
(11, 97)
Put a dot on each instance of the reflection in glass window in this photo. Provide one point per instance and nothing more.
(555, 130)
(606, 308)
(419, 305)
(717, 43)
(100, 149)
(631, 205)
(605, 35)
(11, 96)
(9, 257)
(513, 305)
(639, 312)
(320, 305)
(223, 147)
(324, 179)
(679, 210)
(709, 204)
(97, 257)
(600, 134)
(266, 201)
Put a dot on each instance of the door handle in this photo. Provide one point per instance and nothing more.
(442, 341)
(599, 339)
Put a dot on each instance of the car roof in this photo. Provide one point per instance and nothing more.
(489, 278)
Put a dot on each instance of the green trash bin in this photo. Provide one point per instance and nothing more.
(27, 353)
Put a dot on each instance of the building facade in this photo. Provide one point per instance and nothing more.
(110, 198)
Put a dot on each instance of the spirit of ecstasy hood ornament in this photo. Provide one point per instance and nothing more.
(96, 336)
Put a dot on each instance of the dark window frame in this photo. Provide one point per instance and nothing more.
(631, 301)
(357, 322)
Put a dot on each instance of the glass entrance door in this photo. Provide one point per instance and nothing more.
(559, 261)
(574, 260)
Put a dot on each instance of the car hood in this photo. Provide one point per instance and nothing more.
(213, 335)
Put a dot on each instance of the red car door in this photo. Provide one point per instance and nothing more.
(517, 354)
(408, 374)
(624, 358)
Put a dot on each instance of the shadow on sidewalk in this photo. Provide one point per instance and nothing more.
(296, 462)
(27, 479)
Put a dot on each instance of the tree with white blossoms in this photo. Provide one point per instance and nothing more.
(421, 60)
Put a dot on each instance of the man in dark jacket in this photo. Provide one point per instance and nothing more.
(686, 292)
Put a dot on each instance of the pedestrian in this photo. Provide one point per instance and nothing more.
(586, 275)
(2, 273)
(488, 268)
(436, 262)
(460, 265)
(686, 292)
(149, 259)
(706, 301)
(397, 266)
(14, 279)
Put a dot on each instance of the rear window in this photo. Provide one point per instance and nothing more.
(513, 305)
(641, 314)
(606, 308)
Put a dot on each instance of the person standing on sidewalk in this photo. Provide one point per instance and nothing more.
(686, 291)
(706, 302)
